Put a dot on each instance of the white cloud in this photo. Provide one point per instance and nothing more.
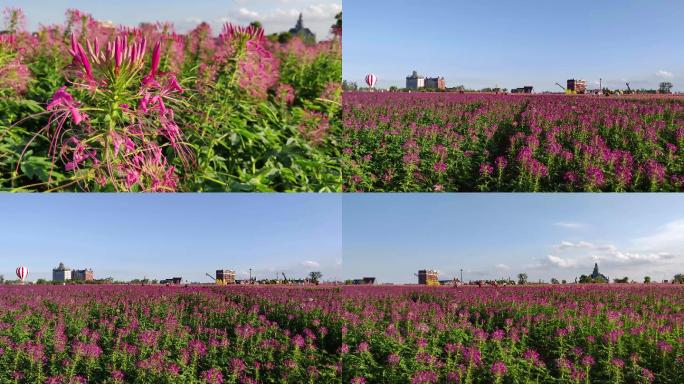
(668, 236)
(664, 74)
(568, 225)
(244, 12)
(309, 264)
(502, 267)
(561, 262)
(570, 245)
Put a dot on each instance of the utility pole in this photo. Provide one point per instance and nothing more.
(461, 275)
(600, 85)
(250, 275)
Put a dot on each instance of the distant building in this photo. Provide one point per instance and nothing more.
(173, 280)
(596, 276)
(415, 81)
(428, 277)
(525, 89)
(577, 86)
(364, 281)
(82, 274)
(225, 276)
(304, 33)
(61, 273)
(435, 83)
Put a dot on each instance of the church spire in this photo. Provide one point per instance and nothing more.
(300, 23)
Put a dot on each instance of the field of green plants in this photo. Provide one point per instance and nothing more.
(85, 106)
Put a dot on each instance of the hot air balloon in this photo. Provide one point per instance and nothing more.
(22, 273)
(371, 79)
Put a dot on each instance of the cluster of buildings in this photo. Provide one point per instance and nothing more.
(416, 82)
(63, 274)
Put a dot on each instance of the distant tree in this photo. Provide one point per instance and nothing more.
(336, 28)
(393, 89)
(284, 37)
(522, 278)
(315, 276)
(256, 24)
(624, 280)
(2, 279)
(338, 20)
(647, 279)
(665, 87)
(554, 281)
(564, 281)
(349, 86)
(41, 281)
(678, 278)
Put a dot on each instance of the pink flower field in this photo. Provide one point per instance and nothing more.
(158, 334)
(515, 334)
(487, 142)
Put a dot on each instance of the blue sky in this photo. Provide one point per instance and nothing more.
(391, 236)
(160, 236)
(514, 43)
(276, 15)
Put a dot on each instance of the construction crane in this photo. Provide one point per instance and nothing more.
(629, 90)
(216, 281)
(284, 278)
(562, 87)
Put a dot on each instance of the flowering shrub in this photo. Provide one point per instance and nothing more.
(560, 334)
(92, 107)
(157, 334)
(479, 142)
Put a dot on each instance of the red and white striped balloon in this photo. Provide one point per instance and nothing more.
(22, 272)
(371, 79)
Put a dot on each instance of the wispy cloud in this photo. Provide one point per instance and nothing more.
(664, 74)
(568, 225)
(502, 267)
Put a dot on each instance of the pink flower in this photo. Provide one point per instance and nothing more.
(499, 368)
(154, 67)
(63, 101)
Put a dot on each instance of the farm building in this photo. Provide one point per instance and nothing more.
(173, 280)
(577, 86)
(525, 89)
(225, 276)
(428, 277)
(364, 281)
